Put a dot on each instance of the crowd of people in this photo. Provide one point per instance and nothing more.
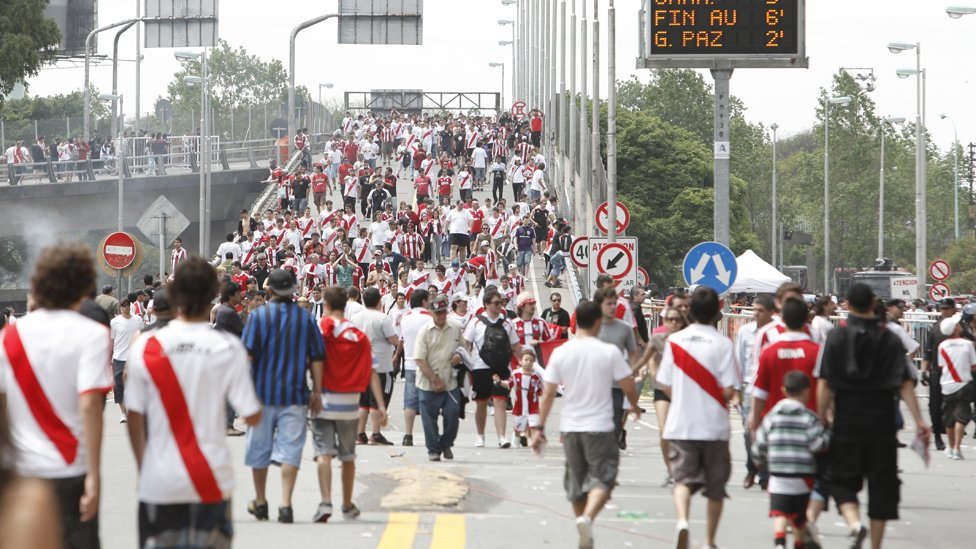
(310, 314)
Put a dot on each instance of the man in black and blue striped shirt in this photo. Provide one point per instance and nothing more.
(284, 345)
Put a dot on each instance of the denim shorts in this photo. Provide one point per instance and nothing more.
(523, 259)
(278, 439)
(411, 400)
(557, 264)
(479, 174)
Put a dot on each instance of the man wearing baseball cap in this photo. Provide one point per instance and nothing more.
(284, 344)
(437, 386)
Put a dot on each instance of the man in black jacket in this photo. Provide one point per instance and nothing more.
(932, 373)
(861, 371)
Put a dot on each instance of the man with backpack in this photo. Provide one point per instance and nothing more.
(491, 341)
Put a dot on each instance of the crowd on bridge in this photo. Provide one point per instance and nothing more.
(314, 308)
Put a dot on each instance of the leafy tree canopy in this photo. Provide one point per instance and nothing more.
(27, 41)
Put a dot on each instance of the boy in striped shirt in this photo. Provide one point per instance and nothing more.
(785, 445)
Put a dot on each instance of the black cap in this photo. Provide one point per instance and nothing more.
(281, 283)
(947, 303)
(896, 303)
(107, 289)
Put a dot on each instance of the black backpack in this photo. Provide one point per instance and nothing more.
(496, 350)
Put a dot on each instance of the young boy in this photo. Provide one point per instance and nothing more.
(785, 445)
(527, 382)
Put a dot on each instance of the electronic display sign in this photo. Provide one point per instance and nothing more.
(745, 33)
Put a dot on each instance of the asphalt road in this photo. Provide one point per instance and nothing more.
(490, 497)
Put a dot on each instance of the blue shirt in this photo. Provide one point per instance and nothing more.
(283, 341)
(524, 238)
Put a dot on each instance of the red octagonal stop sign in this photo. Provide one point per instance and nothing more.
(119, 250)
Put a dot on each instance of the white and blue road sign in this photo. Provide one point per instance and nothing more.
(710, 264)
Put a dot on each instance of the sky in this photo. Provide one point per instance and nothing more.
(461, 38)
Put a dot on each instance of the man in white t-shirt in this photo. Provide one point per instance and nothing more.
(957, 358)
(479, 161)
(410, 324)
(124, 327)
(485, 382)
(697, 372)
(538, 183)
(383, 340)
(459, 223)
(54, 376)
(180, 376)
(587, 368)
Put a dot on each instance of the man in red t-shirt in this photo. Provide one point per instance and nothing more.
(535, 126)
(794, 350)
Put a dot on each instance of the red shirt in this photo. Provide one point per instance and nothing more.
(444, 186)
(423, 185)
(792, 351)
(418, 159)
(319, 182)
(348, 357)
(536, 123)
(352, 152)
(344, 171)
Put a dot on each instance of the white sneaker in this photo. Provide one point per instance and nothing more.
(502, 443)
(123, 419)
(479, 442)
(682, 536)
(585, 528)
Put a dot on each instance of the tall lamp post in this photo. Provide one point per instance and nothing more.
(881, 184)
(921, 158)
(844, 100)
(774, 232)
(511, 42)
(955, 173)
(327, 86)
(117, 100)
(204, 146)
(495, 65)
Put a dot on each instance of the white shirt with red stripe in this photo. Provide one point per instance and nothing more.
(957, 356)
(69, 356)
(211, 366)
(698, 364)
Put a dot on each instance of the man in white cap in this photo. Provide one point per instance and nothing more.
(957, 358)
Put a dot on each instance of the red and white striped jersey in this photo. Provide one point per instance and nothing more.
(411, 245)
(328, 274)
(524, 150)
(495, 226)
(360, 250)
(518, 282)
(178, 256)
(527, 392)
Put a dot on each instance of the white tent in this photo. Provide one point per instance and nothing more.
(756, 276)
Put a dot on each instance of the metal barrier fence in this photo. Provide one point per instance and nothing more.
(731, 323)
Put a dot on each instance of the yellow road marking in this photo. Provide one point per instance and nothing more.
(448, 532)
(401, 529)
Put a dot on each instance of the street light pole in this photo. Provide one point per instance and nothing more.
(921, 171)
(612, 122)
(292, 122)
(827, 267)
(774, 232)
(955, 174)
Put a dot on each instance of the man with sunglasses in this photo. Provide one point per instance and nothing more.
(485, 384)
(555, 315)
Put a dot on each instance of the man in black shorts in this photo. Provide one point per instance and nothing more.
(486, 384)
(459, 223)
(383, 340)
(861, 369)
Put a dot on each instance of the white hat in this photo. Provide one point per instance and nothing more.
(948, 326)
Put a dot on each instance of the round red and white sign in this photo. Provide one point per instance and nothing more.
(119, 250)
(518, 109)
(642, 277)
(603, 217)
(615, 260)
(939, 270)
(580, 252)
(939, 291)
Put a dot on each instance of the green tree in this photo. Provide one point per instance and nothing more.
(27, 41)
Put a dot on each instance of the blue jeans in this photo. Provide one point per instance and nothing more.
(447, 405)
(278, 438)
(534, 195)
(557, 264)
(300, 205)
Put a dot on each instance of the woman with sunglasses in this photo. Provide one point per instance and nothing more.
(674, 321)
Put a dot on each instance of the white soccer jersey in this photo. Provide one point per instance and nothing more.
(698, 364)
(47, 361)
(184, 372)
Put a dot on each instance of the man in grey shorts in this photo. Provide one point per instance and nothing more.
(698, 373)
(588, 368)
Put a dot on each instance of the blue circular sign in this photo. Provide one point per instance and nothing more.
(711, 264)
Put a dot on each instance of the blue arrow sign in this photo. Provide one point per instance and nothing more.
(710, 264)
